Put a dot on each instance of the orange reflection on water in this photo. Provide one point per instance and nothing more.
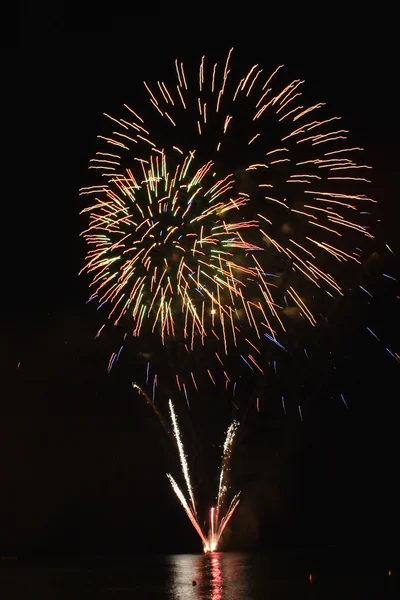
(217, 576)
(217, 579)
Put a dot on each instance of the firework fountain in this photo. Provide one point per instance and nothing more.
(217, 521)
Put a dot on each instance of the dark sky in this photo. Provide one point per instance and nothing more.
(82, 461)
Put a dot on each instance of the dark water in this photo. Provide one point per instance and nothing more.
(220, 576)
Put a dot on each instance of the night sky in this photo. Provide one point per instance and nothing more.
(82, 459)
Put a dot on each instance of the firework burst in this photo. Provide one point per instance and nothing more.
(178, 267)
(235, 212)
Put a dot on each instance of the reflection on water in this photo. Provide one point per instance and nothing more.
(336, 575)
(218, 576)
(217, 579)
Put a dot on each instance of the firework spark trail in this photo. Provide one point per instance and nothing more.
(188, 510)
(156, 411)
(226, 456)
(225, 520)
(182, 456)
(217, 524)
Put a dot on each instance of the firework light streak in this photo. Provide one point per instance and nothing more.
(216, 523)
(182, 456)
(155, 410)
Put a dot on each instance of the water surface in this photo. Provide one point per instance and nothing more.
(218, 576)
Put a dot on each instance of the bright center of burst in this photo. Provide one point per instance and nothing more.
(211, 548)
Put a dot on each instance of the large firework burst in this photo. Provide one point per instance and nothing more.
(233, 210)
